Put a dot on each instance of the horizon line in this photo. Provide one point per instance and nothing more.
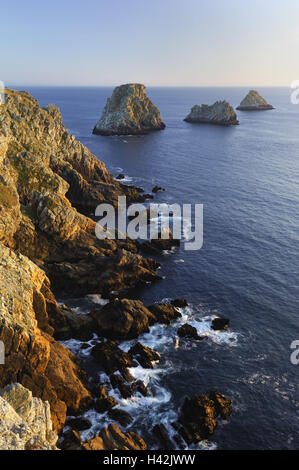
(148, 86)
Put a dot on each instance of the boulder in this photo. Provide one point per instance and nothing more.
(126, 390)
(144, 355)
(104, 402)
(129, 111)
(121, 176)
(223, 404)
(220, 113)
(79, 424)
(164, 313)
(254, 102)
(123, 319)
(179, 303)
(160, 432)
(110, 357)
(120, 416)
(220, 324)
(157, 189)
(188, 331)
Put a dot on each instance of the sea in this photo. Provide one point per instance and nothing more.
(247, 179)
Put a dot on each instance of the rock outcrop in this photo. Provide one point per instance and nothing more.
(220, 113)
(254, 102)
(25, 421)
(129, 111)
(32, 356)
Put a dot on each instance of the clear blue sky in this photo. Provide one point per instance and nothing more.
(155, 42)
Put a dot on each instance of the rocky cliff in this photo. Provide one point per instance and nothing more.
(129, 111)
(220, 113)
(254, 102)
(25, 421)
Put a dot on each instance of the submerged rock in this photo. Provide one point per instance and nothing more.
(254, 102)
(221, 113)
(129, 111)
(25, 421)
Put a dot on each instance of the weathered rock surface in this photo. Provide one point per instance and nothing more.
(254, 102)
(32, 356)
(129, 111)
(164, 242)
(220, 113)
(112, 438)
(164, 313)
(188, 331)
(197, 420)
(111, 357)
(144, 355)
(25, 421)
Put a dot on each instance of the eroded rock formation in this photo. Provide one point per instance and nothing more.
(254, 102)
(129, 111)
(220, 113)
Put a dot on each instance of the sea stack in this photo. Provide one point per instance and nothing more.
(254, 102)
(129, 111)
(220, 113)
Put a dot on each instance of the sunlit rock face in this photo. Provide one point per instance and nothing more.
(254, 102)
(220, 113)
(129, 111)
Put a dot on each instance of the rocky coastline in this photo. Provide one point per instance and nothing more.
(49, 183)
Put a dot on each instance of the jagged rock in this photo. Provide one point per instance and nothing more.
(197, 420)
(25, 421)
(129, 111)
(112, 438)
(104, 402)
(254, 102)
(160, 432)
(69, 324)
(123, 319)
(122, 417)
(111, 357)
(144, 355)
(223, 404)
(141, 388)
(164, 241)
(189, 331)
(220, 324)
(33, 357)
(220, 113)
(126, 390)
(71, 440)
(79, 424)
(47, 176)
(157, 189)
(121, 176)
(164, 313)
(180, 303)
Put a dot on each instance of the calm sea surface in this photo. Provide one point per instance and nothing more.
(247, 179)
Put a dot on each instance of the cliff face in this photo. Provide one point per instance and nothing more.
(47, 176)
(129, 111)
(25, 421)
(220, 113)
(48, 181)
(254, 102)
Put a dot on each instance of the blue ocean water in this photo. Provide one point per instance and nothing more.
(247, 179)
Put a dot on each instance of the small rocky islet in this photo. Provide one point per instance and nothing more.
(220, 113)
(254, 102)
(49, 182)
(129, 112)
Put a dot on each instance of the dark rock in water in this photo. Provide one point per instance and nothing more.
(121, 416)
(164, 313)
(123, 319)
(160, 432)
(189, 331)
(111, 357)
(127, 375)
(220, 113)
(180, 303)
(144, 355)
(157, 189)
(74, 325)
(197, 420)
(165, 241)
(141, 388)
(126, 391)
(220, 324)
(129, 111)
(121, 176)
(114, 439)
(223, 404)
(104, 402)
(71, 440)
(254, 102)
(79, 424)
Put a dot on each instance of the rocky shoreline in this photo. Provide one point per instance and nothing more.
(49, 183)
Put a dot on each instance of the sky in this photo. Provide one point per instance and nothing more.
(155, 42)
